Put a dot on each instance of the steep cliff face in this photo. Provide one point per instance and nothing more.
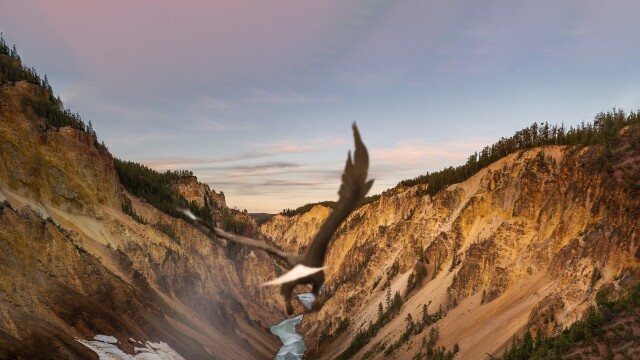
(527, 240)
(192, 190)
(294, 234)
(74, 265)
(61, 166)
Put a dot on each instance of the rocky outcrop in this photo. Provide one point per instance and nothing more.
(60, 166)
(515, 243)
(193, 190)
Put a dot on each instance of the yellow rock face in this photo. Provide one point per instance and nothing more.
(516, 244)
(192, 190)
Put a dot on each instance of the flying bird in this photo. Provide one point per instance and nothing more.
(308, 268)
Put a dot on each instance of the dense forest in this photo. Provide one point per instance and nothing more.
(155, 188)
(42, 102)
(601, 131)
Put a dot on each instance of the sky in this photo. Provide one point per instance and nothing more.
(257, 97)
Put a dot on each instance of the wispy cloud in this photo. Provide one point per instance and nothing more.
(262, 166)
(289, 147)
(186, 162)
(241, 171)
(273, 149)
(286, 183)
(312, 145)
(417, 151)
(245, 178)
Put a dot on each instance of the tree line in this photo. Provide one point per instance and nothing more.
(601, 131)
(330, 204)
(42, 102)
(155, 188)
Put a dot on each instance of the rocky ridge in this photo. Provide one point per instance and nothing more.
(193, 190)
(75, 265)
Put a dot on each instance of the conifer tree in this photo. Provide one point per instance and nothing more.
(388, 298)
(397, 301)
(425, 314)
(409, 320)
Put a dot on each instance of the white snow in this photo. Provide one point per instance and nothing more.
(107, 349)
(106, 339)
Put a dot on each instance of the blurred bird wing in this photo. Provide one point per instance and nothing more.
(242, 240)
(298, 272)
(352, 191)
(247, 241)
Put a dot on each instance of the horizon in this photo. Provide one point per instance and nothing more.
(260, 106)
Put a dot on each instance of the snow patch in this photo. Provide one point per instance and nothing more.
(106, 339)
(107, 349)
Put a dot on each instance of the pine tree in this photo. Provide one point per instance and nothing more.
(410, 284)
(388, 299)
(397, 301)
(410, 323)
(14, 53)
(434, 334)
(425, 314)
(90, 130)
(527, 345)
(45, 83)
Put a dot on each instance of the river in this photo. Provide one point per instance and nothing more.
(293, 345)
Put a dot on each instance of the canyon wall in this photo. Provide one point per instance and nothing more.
(75, 265)
(526, 242)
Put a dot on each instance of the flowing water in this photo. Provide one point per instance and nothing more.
(306, 299)
(293, 345)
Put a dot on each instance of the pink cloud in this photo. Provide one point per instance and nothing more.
(418, 152)
(312, 145)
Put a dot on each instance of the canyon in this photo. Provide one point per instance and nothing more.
(525, 243)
